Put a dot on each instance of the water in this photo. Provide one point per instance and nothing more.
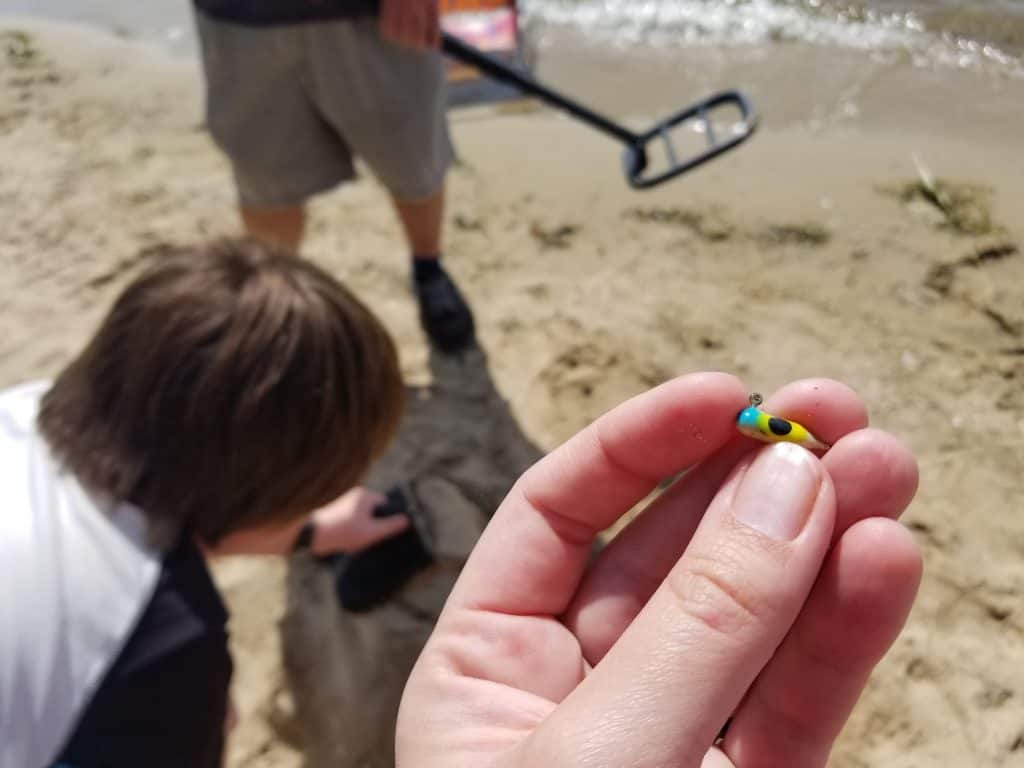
(966, 34)
(167, 22)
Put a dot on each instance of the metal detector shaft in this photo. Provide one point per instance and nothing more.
(455, 48)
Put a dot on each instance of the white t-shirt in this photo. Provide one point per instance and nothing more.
(75, 575)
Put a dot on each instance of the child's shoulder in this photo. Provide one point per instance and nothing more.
(19, 406)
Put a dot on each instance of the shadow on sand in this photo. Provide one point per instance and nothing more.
(459, 450)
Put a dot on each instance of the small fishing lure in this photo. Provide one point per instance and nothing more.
(755, 423)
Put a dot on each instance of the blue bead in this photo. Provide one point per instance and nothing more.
(748, 417)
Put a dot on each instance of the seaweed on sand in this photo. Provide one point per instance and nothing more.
(965, 207)
(19, 48)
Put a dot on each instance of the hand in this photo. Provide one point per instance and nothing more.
(411, 23)
(764, 585)
(347, 524)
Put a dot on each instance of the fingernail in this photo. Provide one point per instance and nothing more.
(777, 492)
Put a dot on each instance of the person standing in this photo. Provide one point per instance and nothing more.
(296, 88)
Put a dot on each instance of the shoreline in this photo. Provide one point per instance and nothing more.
(839, 87)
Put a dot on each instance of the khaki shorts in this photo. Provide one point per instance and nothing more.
(291, 105)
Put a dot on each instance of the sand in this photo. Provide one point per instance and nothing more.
(796, 256)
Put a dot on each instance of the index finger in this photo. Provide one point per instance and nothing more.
(533, 554)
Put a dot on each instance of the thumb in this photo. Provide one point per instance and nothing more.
(663, 692)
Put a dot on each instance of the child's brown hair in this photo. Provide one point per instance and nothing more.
(231, 385)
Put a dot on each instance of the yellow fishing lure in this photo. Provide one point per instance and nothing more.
(755, 423)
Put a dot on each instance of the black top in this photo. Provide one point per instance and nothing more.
(274, 12)
(163, 703)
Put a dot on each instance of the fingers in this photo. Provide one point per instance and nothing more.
(533, 553)
(433, 26)
(363, 532)
(412, 24)
(365, 500)
(386, 21)
(799, 704)
(663, 691)
(379, 529)
(376, 529)
(633, 565)
(348, 524)
(875, 476)
(394, 26)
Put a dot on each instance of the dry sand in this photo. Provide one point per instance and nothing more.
(784, 260)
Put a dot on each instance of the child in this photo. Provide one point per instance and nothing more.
(231, 391)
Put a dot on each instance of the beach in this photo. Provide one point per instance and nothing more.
(813, 250)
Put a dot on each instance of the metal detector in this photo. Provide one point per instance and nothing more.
(635, 158)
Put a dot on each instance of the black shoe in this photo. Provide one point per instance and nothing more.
(444, 314)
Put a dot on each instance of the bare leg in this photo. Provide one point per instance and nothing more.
(283, 226)
(422, 221)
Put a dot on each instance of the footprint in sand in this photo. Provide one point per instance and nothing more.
(583, 381)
